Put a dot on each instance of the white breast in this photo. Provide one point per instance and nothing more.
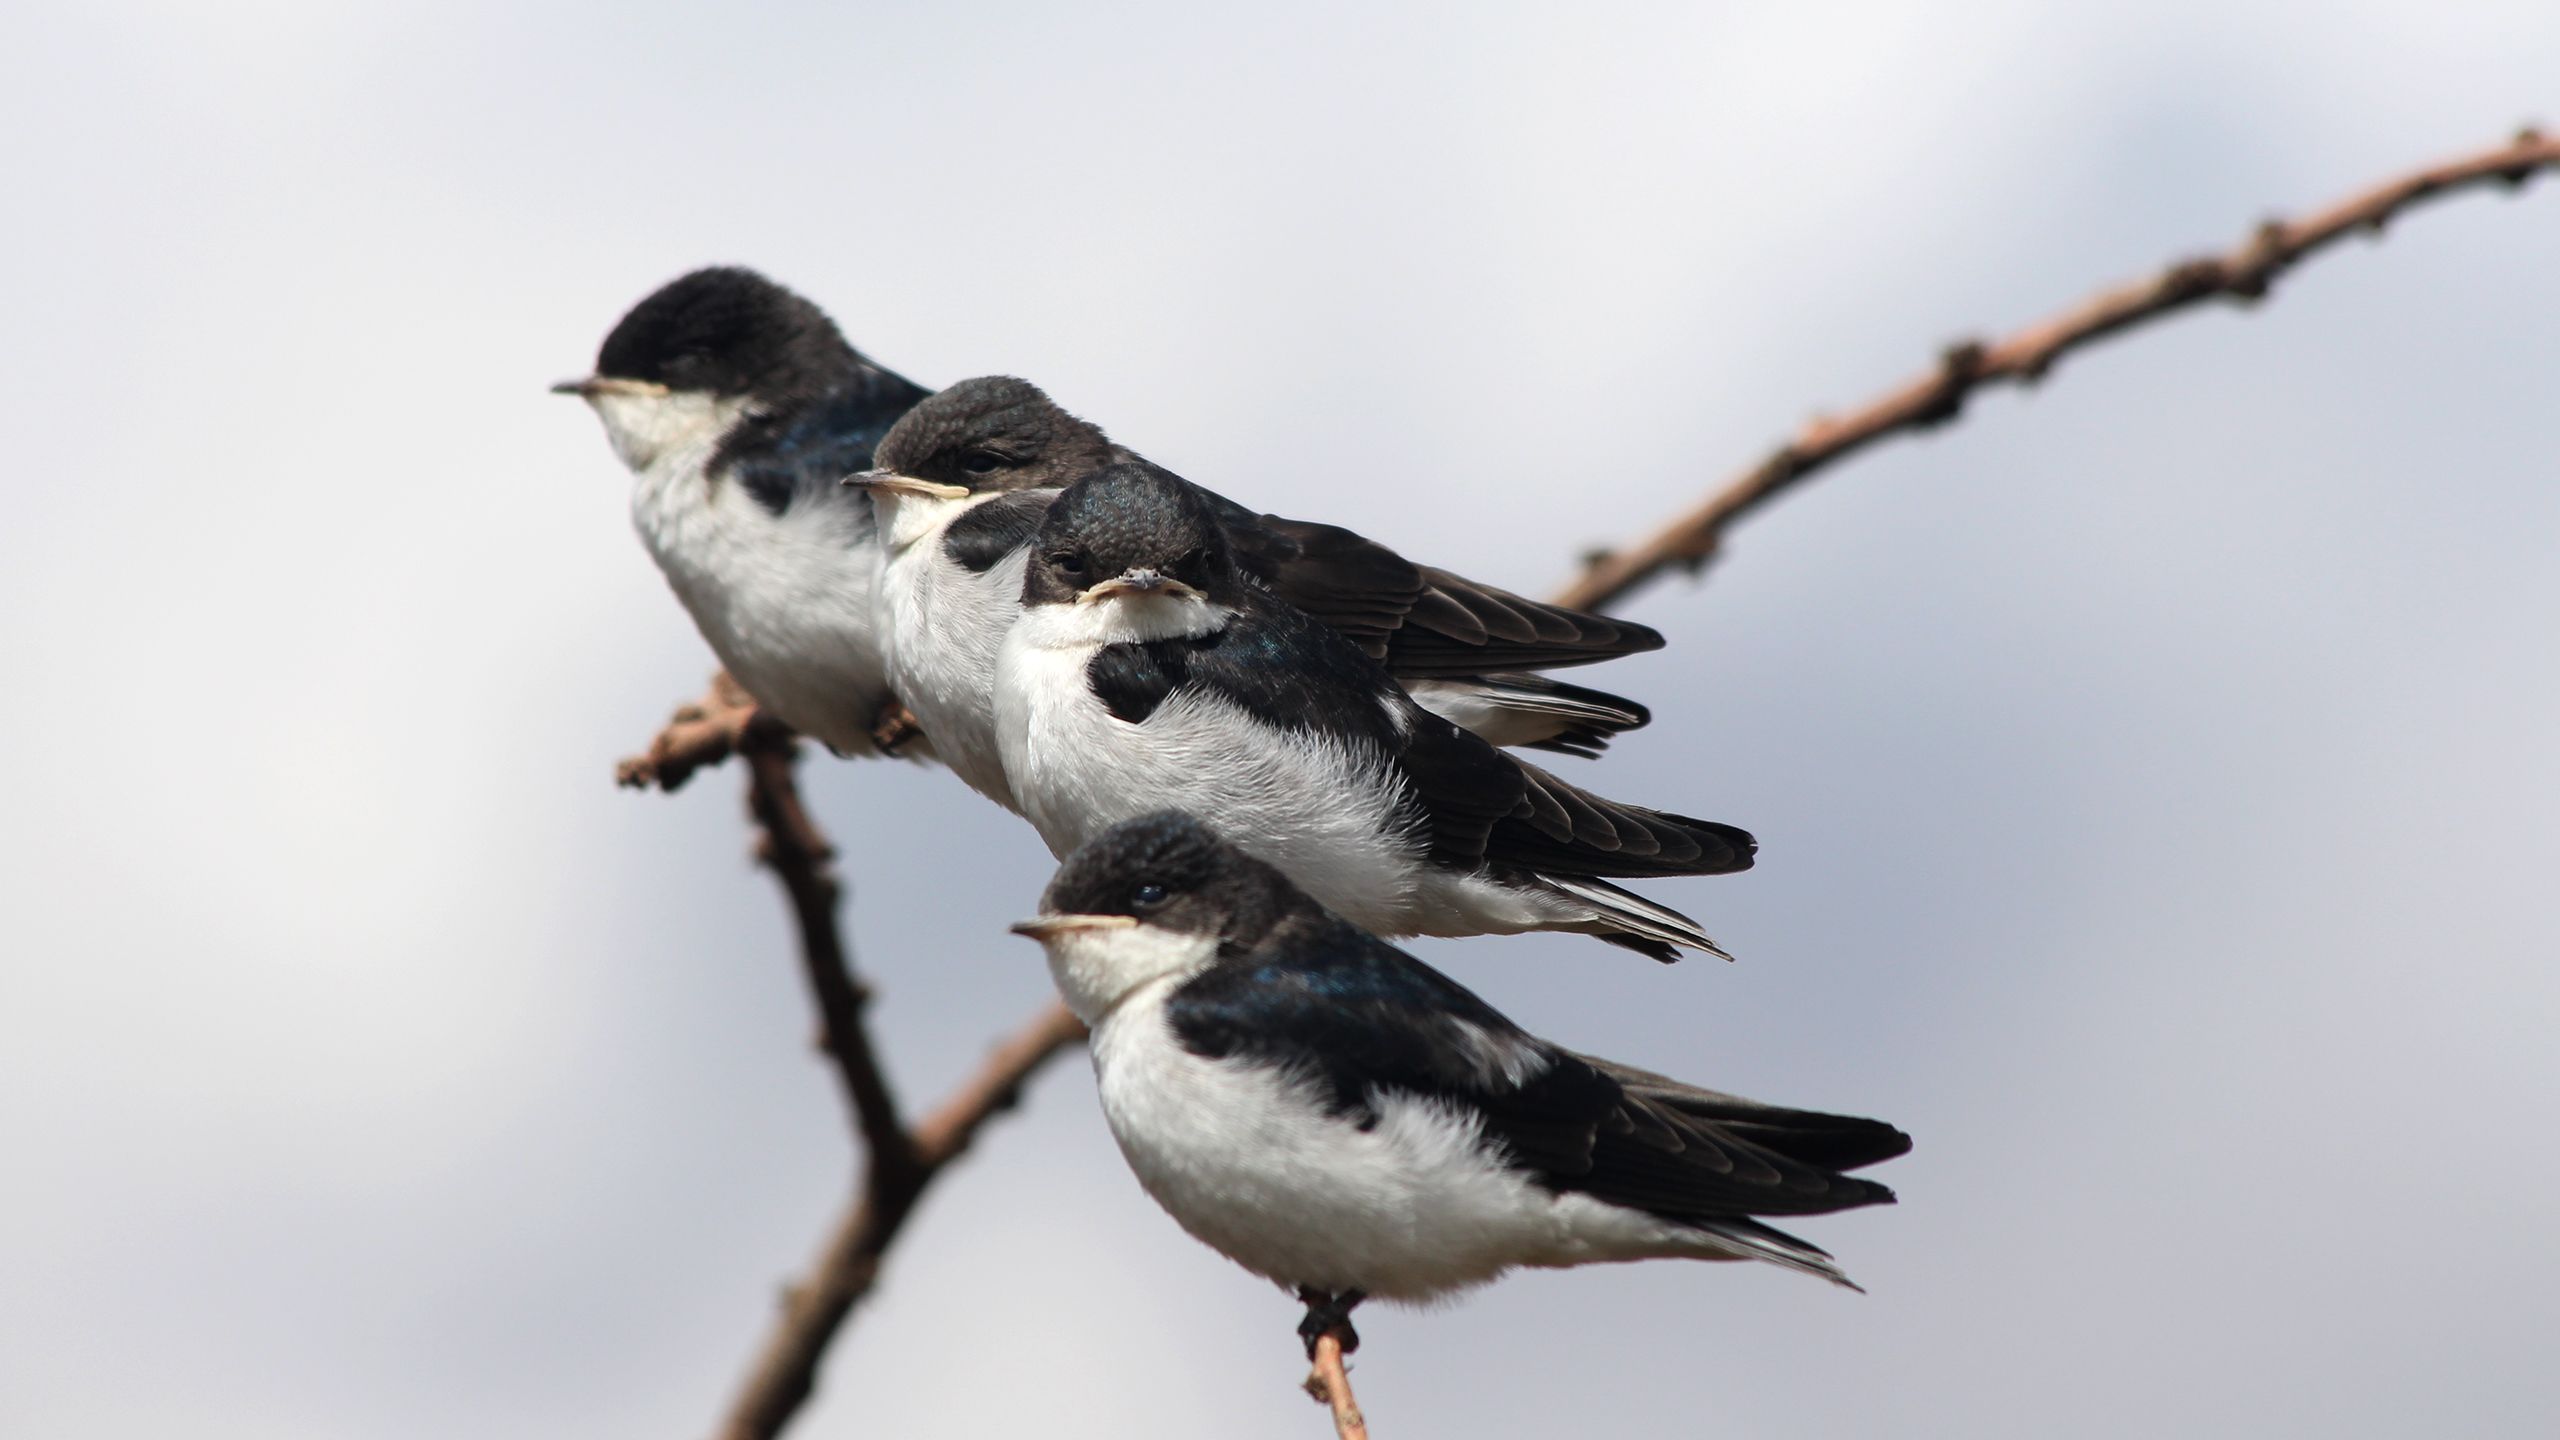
(944, 626)
(1320, 811)
(785, 601)
(1244, 1158)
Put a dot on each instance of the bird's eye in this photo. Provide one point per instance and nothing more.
(1147, 896)
(1066, 561)
(982, 462)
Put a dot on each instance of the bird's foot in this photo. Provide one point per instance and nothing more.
(894, 726)
(1328, 1314)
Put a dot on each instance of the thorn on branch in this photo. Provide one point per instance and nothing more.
(1959, 365)
(2255, 269)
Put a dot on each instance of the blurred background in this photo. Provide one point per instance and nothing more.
(2155, 772)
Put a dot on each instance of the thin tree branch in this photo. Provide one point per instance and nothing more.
(2243, 273)
(701, 733)
(1330, 1383)
(785, 1371)
(790, 846)
(899, 1164)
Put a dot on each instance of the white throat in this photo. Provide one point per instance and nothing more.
(906, 520)
(1125, 619)
(645, 428)
(1098, 969)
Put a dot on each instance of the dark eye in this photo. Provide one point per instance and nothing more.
(1066, 561)
(1147, 896)
(982, 462)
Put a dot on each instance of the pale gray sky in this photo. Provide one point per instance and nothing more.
(2155, 773)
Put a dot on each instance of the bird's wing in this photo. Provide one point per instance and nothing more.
(807, 457)
(1474, 804)
(1422, 622)
(1361, 588)
(1487, 807)
(1359, 1017)
(986, 533)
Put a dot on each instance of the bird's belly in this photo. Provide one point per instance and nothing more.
(786, 604)
(945, 627)
(1324, 815)
(1242, 1156)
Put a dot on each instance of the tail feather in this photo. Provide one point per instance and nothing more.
(1531, 711)
(1635, 922)
(1766, 1242)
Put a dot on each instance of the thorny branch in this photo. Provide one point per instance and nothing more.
(2244, 273)
(902, 1162)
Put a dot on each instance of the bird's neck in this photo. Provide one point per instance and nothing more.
(1123, 620)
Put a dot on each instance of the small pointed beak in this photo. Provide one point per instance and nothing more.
(1140, 581)
(595, 385)
(894, 483)
(1050, 927)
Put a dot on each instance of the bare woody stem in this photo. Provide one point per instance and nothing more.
(2244, 273)
(1330, 1383)
(899, 1163)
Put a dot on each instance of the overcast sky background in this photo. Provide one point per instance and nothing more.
(2155, 773)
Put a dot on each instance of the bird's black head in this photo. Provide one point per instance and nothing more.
(994, 434)
(1129, 530)
(1169, 871)
(727, 331)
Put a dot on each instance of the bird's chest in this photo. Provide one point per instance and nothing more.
(1245, 1157)
(1330, 813)
(947, 625)
(1230, 1149)
(784, 600)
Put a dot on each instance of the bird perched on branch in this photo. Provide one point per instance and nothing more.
(965, 478)
(1147, 671)
(738, 405)
(1340, 1118)
(740, 409)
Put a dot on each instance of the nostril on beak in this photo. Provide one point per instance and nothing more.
(1143, 580)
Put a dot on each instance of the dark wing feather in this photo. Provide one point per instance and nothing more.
(985, 534)
(1361, 588)
(1421, 621)
(1278, 666)
(805, 456)
(1460, 627)
(1488, 808)
(1475, 804)
(1355, 1015)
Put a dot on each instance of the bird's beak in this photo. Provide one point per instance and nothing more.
(595, 385)
(1140, 581)
(1050, 927)
(876, 481)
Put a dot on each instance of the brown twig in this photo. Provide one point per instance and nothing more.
(789, 845)
(1330, 1383)
(786, 1370)
(701, 733)
(2244, 273)
(899, 1163)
